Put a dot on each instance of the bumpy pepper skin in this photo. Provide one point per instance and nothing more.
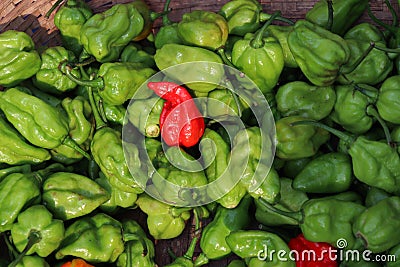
(318, 52)
(387, 104)
(346, 12)
(19, 59)
(256, 245)
(213, 239)
(302, 99)
(294, 143)
(30, 261)
(95, 239)
(173, 54)
(14, 150)
(79, 118)
(41, 124)
(136, 54)
(328, 173)
(38, 220)
(378, 225)
(203, 28)
(69, 20)
(102, 35)
(70, 195)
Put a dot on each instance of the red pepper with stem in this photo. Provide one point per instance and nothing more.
(181, 122)
(316, 254)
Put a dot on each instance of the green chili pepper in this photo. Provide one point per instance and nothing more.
(19, 59)
(319, 53)
(345, 14)
(257, 245)
(94, 239)
(328, 173)
(281, 33)
(37, 232)
(6, 170)
(70, 195)
(387, 103)
(222, 103)
(136, 54)
(292, 167)
(213, 240)
(302, 99)
(112, 113)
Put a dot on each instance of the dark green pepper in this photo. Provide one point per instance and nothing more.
(387, 104)
(19, 59)
(396, 252)
(374, 195)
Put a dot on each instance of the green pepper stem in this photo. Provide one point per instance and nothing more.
(201, 260)
(265, 17)
(371, 111)
(345, 137)
(42, 174)
(33, 238)
(370, 93)
(257, 41)
(359, 60)
(297, 216)
(329, 24)
(387, 50)
(66, 69)
(192, 246)
(56, 4)
(221, 52)
(391, 28)
(165, 19)
(68, 141)
(96, 114)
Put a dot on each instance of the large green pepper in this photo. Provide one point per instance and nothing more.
(260, 58)
(209, 70)
(14, 150)
(69, 20)
(6, 170)
(37, 232)
(387, 102)
(225, 221)
(203, 28)
(103, 35)
(97, 238)
(256, 245)
(377, 227)
(345, 13)
(49, 78)
(163, 221)
(19, 59)
(328, 173)
(302, 99)
(319, 53)
(69, 195)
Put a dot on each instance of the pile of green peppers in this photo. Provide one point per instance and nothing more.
(70, 192)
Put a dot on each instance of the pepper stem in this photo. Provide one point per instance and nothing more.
(56, 4)
(257, 41)
(165, 20)
(371, 93)
(391, 28)
(265, 17)
(96, 114)
(297, 216)
(42, 174)
(371, 111)
(388, 50)
(67, 70)
(33, 238)
(359, 60)
(221, 52)
(68, 141)
(329, 24)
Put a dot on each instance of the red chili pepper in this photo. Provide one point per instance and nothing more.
(181, 122)
(312, 254)
(76, 263)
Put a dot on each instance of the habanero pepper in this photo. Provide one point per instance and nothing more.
(181, 122)
(77, 263)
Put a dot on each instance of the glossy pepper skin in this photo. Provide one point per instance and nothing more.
(377, 226)
(254, 245)
(345, 14)
(97, 238)
(318, 52)
(303, 99)
(135, 53)
(203, 28)
(387, 104)
(14, 150)
(181, 122)
(213, 240)
(37, 220)
(17, 52)
(328, 173)
(102, 35)
(69, 195)
(69, 20)
(281, 33)
(300, 244)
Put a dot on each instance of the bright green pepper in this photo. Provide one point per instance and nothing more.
(319, 53)
(174, 54)
(328, 173)
(387, 102)
(19, 59)
(292, 167)
(345, 13)
(377, 227)
(37, 232)
(294, 143)
(31, 261)
(237, 263)
(256, 245)
(112, 113)
(6, 170)
(213, 243)
(203, 28)
(14, 150)
(69, 20)
(97, 238)
(302, 99)
(281, 33)
(70, 195)
(163, 221)
(260, 58)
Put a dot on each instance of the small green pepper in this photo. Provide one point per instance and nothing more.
(37, 232)
(387, 104)
(19, 59)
